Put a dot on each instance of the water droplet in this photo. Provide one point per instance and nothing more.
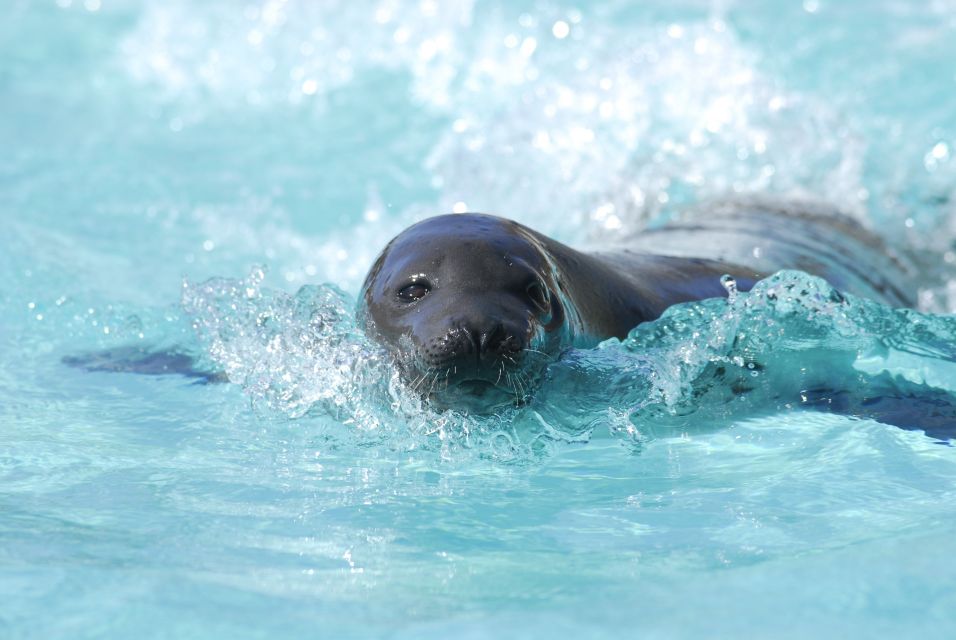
(729, 283)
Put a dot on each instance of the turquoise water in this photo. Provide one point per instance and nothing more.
(216, 178)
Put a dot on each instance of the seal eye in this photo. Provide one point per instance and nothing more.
(413, 292)
(540, 296)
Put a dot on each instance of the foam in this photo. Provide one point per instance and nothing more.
(594, 133)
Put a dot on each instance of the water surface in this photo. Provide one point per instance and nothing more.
(217, 177)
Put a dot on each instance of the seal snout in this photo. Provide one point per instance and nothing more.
(497, 342)
(472, 349)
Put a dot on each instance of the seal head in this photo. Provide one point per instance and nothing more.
(471, 308)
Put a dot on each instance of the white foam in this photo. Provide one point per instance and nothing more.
(593, 133)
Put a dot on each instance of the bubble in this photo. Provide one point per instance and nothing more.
(401, 35)
(310, 86)
(938, 154)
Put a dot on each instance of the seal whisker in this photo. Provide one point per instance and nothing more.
(511, 385)
(547, 356)
(517, 388)
(418, 381)
(431, 387)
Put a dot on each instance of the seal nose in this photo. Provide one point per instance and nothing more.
(476, 345)
(494, 340)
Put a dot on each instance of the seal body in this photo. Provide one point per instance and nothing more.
(474, 306)
(770, 235)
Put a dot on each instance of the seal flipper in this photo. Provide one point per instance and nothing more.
(143, 361)
(910, 406)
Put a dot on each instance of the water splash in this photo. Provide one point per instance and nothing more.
(761, 351)
(627, 124)
(593, 128)
(302, 356)
(275, 51)
(292, 352)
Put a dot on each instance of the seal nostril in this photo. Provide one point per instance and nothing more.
(510, 347)
(502, 342)
(492, 339)
(476, 347)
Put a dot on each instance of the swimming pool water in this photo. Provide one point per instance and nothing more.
(217, 177)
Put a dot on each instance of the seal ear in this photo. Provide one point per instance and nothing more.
(557, 315)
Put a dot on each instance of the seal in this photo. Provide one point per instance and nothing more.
(473, 307)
